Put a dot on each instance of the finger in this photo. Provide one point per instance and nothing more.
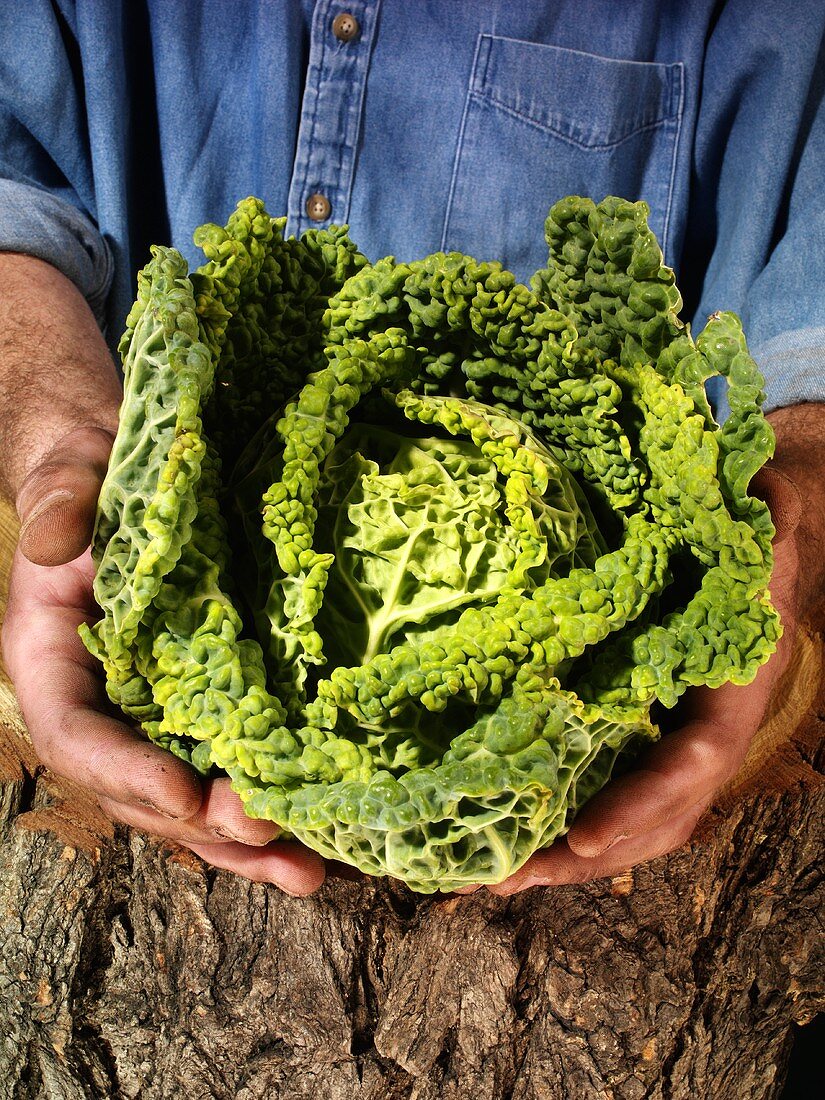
(788, 572)
(686, 767)
(73, 730)
(57, 501)
(217, 821)
(467, 889)
(689, 764)
(559, 865)
(222, 814)
(148, 820)
(285, 863)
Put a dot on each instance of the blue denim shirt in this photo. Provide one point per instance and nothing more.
(448, 125)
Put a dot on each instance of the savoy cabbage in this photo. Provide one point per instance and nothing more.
(410, 550)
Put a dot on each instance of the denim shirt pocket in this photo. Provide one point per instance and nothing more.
(541, 122)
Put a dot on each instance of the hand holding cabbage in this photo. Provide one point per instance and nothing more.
(433, 700)
(59, 398)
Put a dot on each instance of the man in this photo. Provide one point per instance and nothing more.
(445, 126)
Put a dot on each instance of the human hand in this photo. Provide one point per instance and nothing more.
(58, 425)
(654, 808)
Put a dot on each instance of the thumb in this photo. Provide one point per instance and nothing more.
(57, 501)
(782, 497)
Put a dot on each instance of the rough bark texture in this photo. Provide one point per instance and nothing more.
(129, 969)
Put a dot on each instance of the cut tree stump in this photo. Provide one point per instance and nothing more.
(128, 968)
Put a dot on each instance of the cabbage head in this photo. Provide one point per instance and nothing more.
(415, 554)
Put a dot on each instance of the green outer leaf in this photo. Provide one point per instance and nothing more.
(506, 786)
(147, 501)
(268, 295)
(170, 636)
(607, 273)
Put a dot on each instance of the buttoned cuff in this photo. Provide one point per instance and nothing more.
(37, 223)
(793, 364)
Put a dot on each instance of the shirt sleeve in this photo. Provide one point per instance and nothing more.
(47, 201)
(785, 306)
(756, 225)
(39, 224)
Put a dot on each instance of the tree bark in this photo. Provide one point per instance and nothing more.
(128, 968)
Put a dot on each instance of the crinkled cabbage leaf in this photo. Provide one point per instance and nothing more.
(410, 550)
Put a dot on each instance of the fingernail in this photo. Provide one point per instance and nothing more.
(227, 834)
(547, 880)
(45, 504)
(528, 883)
(291, 893)
(504, 891)
(150, 805)
(612, 843)
(596, 849)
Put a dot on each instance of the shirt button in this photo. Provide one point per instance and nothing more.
(319, 207)
(345, 27)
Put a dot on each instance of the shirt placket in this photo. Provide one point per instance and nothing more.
(340, 47)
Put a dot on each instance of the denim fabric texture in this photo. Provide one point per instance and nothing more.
(439, 125)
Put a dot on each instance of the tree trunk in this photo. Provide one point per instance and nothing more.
(130, 969)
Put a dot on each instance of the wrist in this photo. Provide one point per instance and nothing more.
(800, 452)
